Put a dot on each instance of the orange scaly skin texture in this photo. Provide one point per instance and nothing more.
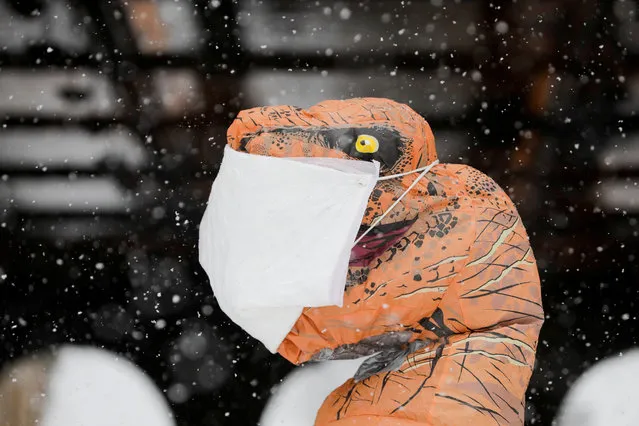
(461, 284)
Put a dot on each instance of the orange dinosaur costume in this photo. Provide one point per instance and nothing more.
(445, 291)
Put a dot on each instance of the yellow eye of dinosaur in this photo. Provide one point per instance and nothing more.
(366, 144)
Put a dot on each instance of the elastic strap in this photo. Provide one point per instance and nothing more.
(377, 221)
(410, 172)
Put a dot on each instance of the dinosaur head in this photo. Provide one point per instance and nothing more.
(364, 129)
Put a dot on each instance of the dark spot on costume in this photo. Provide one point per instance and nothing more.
(417, 277)
(436, 324)
(376, 194)
(244, 142)
(431, 189)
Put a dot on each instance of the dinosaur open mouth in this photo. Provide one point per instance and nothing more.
(378, 241)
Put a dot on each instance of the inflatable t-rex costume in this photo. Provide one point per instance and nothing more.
(445, 291)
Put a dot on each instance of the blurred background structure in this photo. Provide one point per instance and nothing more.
(113, 118)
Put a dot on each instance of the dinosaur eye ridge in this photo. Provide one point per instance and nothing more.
(367, 144)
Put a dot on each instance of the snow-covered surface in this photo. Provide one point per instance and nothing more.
(59, 194)
(617, 194)
(92, 387)
(69, 148)
(78, 93)
(297, 399)
(605, 395)
(423, 92)
(621, 152)
(56, 25)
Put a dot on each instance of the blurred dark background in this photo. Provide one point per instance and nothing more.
(114, 116)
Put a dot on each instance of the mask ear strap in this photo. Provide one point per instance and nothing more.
(412, 185)
(410, 172)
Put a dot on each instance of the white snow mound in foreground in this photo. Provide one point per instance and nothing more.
(606, 394)
(93, 387)
(301, 394)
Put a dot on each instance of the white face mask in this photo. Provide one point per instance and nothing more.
(277, 235)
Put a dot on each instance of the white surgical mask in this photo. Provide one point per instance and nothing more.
(277, 235)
